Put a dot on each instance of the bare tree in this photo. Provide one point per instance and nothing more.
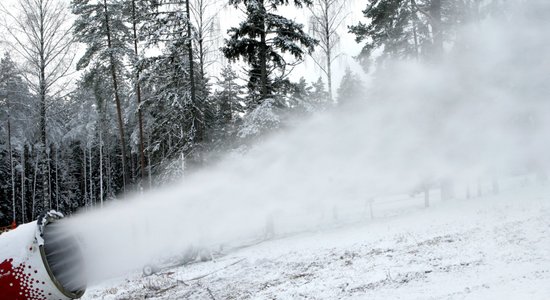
(326, 19)
(207, 32)
(41, 35)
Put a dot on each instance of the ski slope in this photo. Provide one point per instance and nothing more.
(489, 247)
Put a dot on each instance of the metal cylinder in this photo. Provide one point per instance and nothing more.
(39, 262)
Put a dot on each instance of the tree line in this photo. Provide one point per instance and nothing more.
(148, 105)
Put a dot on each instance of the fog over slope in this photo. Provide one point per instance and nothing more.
(481, 113)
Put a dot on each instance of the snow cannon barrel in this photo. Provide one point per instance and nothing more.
(41, 261)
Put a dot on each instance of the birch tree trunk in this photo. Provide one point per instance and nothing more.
(205, 18)
(326, 19)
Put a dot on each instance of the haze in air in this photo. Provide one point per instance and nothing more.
(426, 161)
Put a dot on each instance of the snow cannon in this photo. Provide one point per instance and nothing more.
(41, 261)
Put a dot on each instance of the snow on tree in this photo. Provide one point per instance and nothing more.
(42, 39)
(101, 27)
(263, 119)
(17, 135)
(262, 40)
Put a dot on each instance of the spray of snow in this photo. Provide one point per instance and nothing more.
(481, 113)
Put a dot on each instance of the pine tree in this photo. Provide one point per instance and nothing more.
(319, 93)
(100, 25)
(394, 26)
(169, 104)
(229, 96)
(177, 80)
(137, 11)
(351, 88)
(262, 39)
(406, 29)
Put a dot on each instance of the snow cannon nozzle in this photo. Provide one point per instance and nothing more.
(41, 260)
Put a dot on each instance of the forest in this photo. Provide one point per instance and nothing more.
(99, 98)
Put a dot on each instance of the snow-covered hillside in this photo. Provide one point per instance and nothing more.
(494, 247)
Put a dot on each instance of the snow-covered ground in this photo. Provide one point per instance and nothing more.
(493, 247)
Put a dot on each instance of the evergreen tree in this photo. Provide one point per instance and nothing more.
(16, 132)
(308, 98)
(226, 107)
(262, 39)
(229, 97)
(173, 79)
(395, 26)
(101, 26)
(406, 29)
(319, 93)
(137, 12)
(351, 88)
(169, 104)
(295, 95)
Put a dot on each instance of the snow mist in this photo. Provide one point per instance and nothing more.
(481, 113)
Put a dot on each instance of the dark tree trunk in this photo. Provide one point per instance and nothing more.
(263, 63)
(437, 31)
(197, 113)
(138, 96)
(117, 98)
(415, 34)
(329, 51)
